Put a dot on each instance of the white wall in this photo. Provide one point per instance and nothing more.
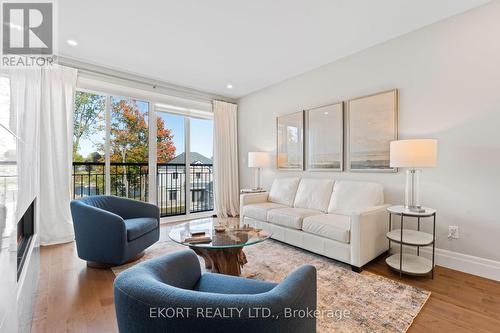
(448, 75)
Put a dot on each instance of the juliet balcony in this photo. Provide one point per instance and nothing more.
(130, 180)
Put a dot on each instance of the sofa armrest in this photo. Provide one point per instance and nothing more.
(368, 230)
(251, 198)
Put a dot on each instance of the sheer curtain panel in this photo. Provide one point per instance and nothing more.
(56, 147)
(226, 159)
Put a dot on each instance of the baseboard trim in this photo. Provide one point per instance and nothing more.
(486, 268)
(470, 264)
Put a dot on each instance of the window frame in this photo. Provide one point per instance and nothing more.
(157, 103)
(188, 114)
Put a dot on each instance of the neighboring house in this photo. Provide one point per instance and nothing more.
(171, 182)
(196, 158)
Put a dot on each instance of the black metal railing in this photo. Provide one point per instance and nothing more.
(131, 180)
(202, 193)
(88, 179)
(171, 183)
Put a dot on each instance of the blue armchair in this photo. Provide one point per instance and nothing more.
(109, 231)
(170, 294)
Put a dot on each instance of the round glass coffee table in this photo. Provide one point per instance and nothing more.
(223, 252)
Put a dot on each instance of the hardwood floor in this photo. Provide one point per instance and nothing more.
(74, 298)
(459, 302)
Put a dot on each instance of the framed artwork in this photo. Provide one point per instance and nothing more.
(290, 149)
(325, 138)
(372, 123)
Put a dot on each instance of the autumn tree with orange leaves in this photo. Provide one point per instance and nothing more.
(129, 135)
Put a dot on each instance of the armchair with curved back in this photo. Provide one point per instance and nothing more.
(110, 231)
(170, 294)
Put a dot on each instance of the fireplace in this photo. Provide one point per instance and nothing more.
(25, 228)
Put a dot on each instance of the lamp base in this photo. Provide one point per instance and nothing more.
(257, 180)
(415, 209)
(412, 191)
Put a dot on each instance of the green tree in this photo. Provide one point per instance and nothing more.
(88, 118)
(77, 157)
(95, 157)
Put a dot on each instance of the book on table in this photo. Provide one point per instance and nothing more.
(198, 239)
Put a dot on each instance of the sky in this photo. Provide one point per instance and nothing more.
(201, 133)
(202, 136)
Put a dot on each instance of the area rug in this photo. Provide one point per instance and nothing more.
(350, 302)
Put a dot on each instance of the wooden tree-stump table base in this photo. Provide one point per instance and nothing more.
(225, 261)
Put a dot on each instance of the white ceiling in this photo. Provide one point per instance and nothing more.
(248, 43)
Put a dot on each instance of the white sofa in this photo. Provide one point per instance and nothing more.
(342, 220)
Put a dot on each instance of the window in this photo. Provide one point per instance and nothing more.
(172, 195)
(112, 148)
(8, 153)
(7, 123)
(89, 137)
(201, 140)
(170, 157)
(197, 196)
(173, 132)
(129, 148)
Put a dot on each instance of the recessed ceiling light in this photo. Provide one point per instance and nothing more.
(229, 86)
(72, 42)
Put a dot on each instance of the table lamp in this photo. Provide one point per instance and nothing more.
(258, 160)
(413, 154)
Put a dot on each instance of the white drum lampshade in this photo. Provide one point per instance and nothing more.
(413, 154)
(258, 160)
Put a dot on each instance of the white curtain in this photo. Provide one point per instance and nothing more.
(226, 186)
(56, 147)
(25, 85)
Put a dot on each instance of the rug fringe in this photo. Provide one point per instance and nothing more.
(421, 307)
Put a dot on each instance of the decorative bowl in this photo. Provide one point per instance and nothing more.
(219, 228)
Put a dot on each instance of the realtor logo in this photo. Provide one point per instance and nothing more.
(27, 28)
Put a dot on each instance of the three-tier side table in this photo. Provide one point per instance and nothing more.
(406, 263)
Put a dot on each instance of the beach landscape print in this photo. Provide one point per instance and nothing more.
(372, 125)
(290, 150)
(325, 138)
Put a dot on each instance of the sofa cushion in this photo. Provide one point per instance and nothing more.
(283, 191)
(290, 217)
(314, 194)
(332, 226)
(139, 226)
(259, 211)
(349, 197)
